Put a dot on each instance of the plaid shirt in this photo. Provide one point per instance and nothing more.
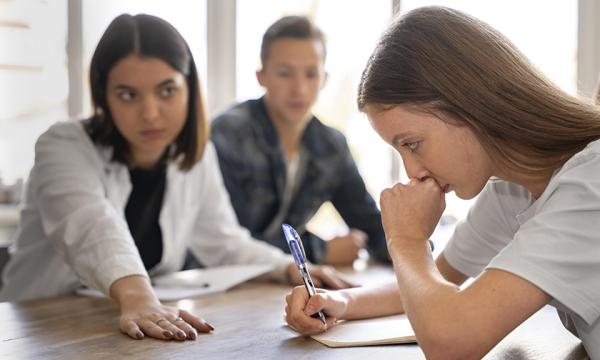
(254, 171)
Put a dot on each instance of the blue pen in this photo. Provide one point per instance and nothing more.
(297, 251)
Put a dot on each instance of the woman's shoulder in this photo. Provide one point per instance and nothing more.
(578, 180)
(68, 140)
(584, 165)
(67, 129)
(501, 189)
(66, 133)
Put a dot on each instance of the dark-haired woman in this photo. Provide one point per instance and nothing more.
(468, 113)
(122, 196)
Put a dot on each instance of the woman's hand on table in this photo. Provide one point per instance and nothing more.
(142, 313)
(160, 321)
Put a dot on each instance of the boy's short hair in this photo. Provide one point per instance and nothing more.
(297, 27)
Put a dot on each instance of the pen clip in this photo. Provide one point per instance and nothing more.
(299, 241)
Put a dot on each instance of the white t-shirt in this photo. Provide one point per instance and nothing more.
(294, 172)
(553, 242)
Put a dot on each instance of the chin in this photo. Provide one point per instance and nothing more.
(297, 117)
(468, 194)
(465, 195)
(156, 147)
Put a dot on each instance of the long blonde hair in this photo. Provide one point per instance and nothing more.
(446, 62)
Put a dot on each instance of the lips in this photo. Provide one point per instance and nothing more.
(152, 134)
(297, 106)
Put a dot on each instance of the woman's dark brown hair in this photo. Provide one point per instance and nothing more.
(146, 36)
(448, 63)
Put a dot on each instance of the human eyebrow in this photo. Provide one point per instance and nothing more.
(284, 68)
(123, 87)
(400, 138)
(166, 82)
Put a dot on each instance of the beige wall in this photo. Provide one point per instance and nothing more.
(33, 78)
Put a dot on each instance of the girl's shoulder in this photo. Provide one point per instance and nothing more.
(68, 141)
(584, 164)
(69, 129)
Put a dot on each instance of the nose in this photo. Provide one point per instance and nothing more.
(300, 85)
(149, 108)
(414, 168)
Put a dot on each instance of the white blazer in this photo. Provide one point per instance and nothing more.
(73, 229)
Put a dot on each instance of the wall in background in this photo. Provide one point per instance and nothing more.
(33, 78)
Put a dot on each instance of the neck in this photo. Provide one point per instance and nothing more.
(289, 133)
(289, 138)
(144, 161)
(535, 184)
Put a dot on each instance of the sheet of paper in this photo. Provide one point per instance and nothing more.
(378, 331)
(198, 282)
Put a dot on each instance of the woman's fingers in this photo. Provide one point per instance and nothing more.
(154, 330)
(130, 328)
(304, 324)
(161, 322)
(188, 330)
(325, 275)
(168, 325)
(314, 304)
(198, 323)
(331, 278)
(331, 321)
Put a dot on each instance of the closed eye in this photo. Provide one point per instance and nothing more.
(411, 146)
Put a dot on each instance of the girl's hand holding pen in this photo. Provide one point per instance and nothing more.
(300, 307)
(410, 213)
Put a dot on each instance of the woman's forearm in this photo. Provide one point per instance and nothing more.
(132, 289)
(420, 284)
(433, 303)
(385, 299)
(366, 302)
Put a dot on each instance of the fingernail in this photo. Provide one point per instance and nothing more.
(139, 335)
(192, 335)
(181, 334)
(168, 334)
(209, 326)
